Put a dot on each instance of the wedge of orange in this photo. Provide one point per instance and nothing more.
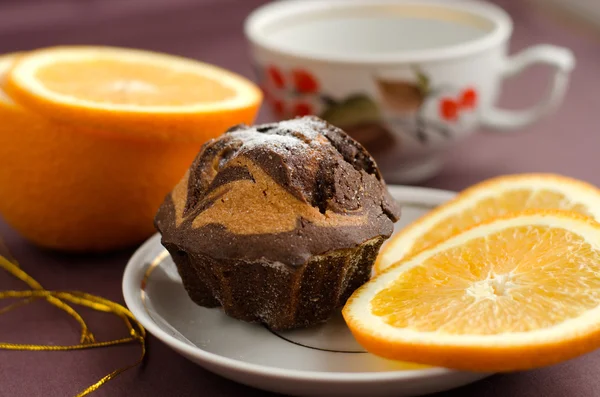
(133, 91)
(486, 200)
(515, 293)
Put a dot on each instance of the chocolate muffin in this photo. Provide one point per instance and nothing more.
(277, 223)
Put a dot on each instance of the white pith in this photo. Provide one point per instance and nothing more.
(5, 63)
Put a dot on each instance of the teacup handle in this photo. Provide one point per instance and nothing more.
(562, 62)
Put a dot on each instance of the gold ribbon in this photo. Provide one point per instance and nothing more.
(137, 333)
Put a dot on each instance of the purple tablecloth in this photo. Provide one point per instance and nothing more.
(211, 30)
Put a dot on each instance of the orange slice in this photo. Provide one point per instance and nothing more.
(515, 293)
(133, 91)
(486, 200)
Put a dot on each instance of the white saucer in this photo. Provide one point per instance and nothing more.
(321, 361)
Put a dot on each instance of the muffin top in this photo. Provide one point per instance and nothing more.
(278, 192)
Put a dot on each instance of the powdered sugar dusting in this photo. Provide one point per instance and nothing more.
(276, 265)
(307, 126)
(295, 135)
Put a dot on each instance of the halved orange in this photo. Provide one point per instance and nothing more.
(73, 186)
(486, 200)
(133, 91)
(70, 187)
(514, 293)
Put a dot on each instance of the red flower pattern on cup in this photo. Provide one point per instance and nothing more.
(290, 92)
(276, 77)
(302, 109)
(289, 100)
(450, 108)
(468, 98)
(304, 82)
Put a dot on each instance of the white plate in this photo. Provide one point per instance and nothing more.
(320, 361)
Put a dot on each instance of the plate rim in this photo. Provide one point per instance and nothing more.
(136, 268)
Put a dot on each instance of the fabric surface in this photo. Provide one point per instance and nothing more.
(211, 30)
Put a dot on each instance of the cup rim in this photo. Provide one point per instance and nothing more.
(261, 17)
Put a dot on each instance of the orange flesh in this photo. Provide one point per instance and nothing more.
(124, 83)
(477, 288)
(512, 200)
